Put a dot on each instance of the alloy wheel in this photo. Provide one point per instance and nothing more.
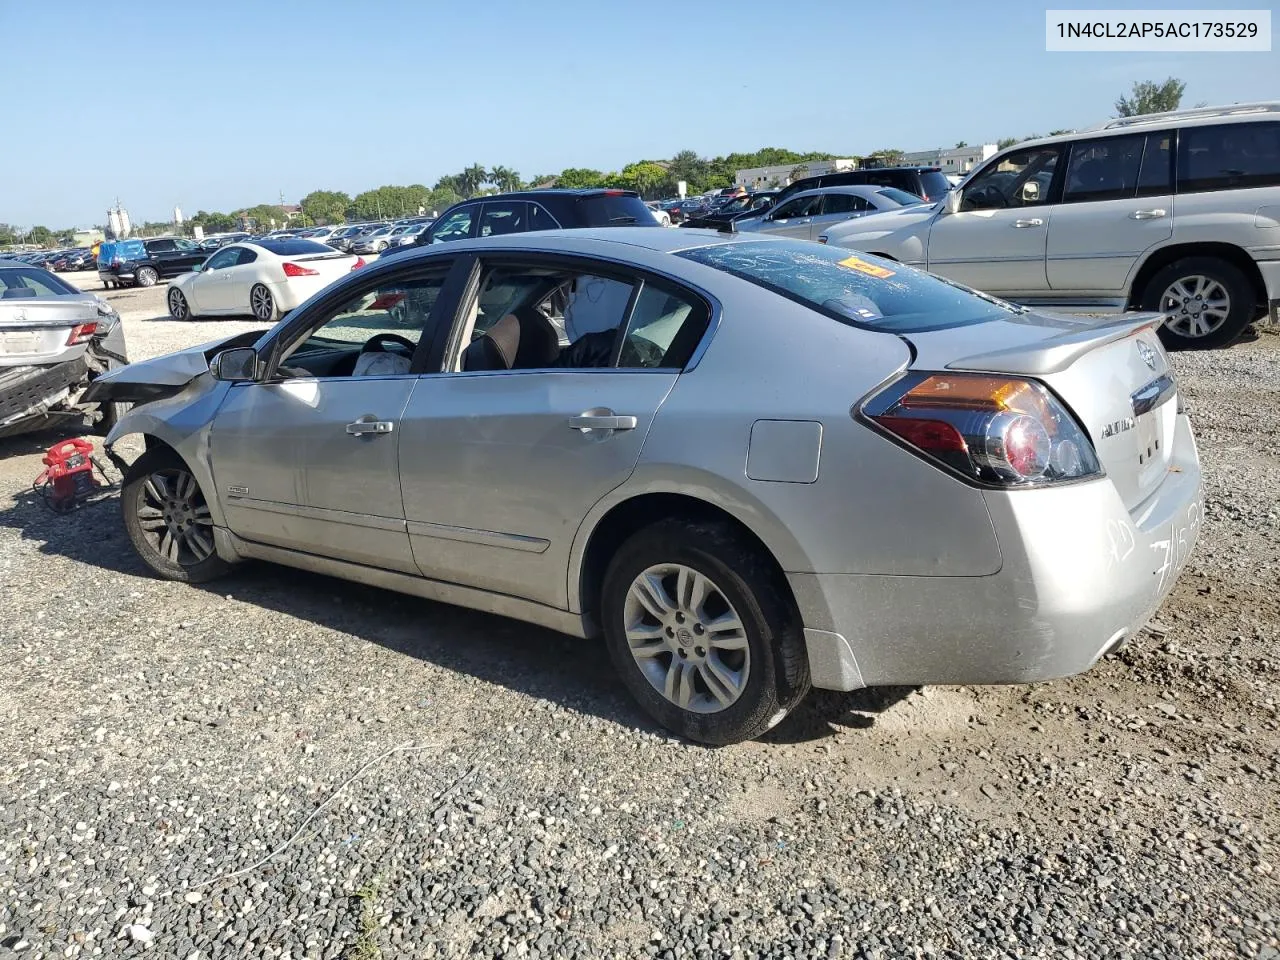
(175, 518)
(1196, 306)
(177, 305)
(260, 302)
(686, 638)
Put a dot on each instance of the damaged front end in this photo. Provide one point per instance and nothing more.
(161, 377)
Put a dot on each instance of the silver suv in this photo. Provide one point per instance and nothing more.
(1177, 212)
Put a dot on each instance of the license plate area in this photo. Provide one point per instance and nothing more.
(16, 343)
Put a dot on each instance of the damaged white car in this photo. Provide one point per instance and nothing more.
(54, 340)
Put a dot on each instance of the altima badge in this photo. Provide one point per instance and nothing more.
(1147, 354)
(1118, 426)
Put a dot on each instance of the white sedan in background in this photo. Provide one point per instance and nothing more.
(265, 278)
(808, 214)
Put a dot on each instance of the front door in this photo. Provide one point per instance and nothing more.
(793, 218)
(309, 458)
(208, 288)
(997, 240)
(1117, 204)
(501, 462)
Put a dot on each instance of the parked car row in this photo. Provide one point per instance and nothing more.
(61, 261)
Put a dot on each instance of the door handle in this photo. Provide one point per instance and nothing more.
(588, 422)
(369, 426)
(1147, 214)
(1034, 222)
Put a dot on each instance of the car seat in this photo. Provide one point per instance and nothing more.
(523, 340)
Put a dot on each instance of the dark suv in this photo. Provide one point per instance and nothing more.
(143, 262)
(927, 182)
(528, 210)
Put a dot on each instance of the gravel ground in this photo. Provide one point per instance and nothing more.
(284, 765)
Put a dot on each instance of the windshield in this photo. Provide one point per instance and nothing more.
(858, 289)
(900, 196)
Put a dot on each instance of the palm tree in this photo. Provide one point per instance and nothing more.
(471, 178)
(505, 179)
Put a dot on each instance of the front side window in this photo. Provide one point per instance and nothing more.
(1020, 179)
(373, 333)
(455, 226)
(226, 257)
(799, 207)
(498, 218)
(1103, 169)
(1228, 157)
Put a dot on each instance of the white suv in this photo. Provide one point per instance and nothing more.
(1176, 212)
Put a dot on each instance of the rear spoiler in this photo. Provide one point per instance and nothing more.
(1058, 353)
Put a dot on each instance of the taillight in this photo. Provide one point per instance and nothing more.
(993, 429)
(291, 269)
(82, 332)
(358, 264)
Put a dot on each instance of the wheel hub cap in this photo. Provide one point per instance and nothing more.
(174, 517)
(1196, 306)
(686, 638)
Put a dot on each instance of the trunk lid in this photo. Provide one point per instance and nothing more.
(330, 266)
(35, 330)
(1112, 374)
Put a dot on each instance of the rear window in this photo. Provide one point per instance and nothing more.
(899, 196)
(857, 289)
(935, 184)
(612, 210)
(292, 247)
(30, 282)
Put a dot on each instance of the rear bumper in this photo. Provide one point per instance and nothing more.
(1080, 574)
(111, 276)
(28, 393)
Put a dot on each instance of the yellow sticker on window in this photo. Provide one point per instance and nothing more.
(870, 269)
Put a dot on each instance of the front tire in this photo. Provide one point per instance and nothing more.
(178, 307)
(1207, 302)
(147, 277)
(262, 304)
(702, 631)
(167, 519)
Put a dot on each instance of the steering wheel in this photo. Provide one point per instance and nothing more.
(377, 343)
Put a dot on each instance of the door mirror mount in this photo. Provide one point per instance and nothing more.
(951, 202)
(236, 365)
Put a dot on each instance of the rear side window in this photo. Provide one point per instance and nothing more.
(857, 289)
(614, 210)
(161, 246)
(844, 203)
(539, 219)
(934, 183)
(1228, 157)
(1103, 169)
(502, 217)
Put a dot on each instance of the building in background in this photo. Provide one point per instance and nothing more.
(780, 175)
(957, 160)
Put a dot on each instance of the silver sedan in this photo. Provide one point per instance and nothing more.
(808, 214)
(752, 465)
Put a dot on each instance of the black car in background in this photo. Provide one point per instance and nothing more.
(525, 210)
(144, 262)
(748, 205)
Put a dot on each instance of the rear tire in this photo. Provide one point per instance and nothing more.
(261, 304)
(167, 519)
(725, 660)
(1208, 302)
(146, 276)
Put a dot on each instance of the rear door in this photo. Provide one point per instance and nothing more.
(835, 208)
(1117, 204)
(499, 467)
(794, 217)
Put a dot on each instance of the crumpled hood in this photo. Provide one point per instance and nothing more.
(164, 375)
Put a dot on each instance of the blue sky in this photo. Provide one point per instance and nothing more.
(218, 105)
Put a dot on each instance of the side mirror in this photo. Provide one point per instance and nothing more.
(951, 202)
(1031, 191)
(235, 365)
